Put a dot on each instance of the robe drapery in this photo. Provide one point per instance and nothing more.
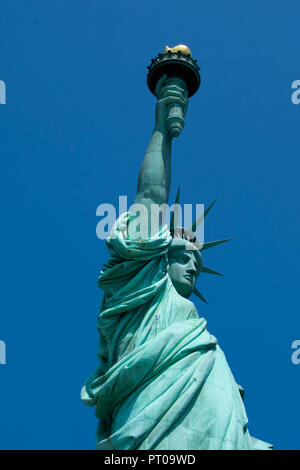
(162, 381)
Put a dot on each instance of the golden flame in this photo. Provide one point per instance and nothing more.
(181, 47)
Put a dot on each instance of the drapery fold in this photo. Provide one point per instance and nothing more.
(162, 381)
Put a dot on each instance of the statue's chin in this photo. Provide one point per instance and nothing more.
(184, 290)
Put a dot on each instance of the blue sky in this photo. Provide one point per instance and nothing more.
(74, 131)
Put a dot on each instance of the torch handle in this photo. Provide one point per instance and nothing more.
(175, 119)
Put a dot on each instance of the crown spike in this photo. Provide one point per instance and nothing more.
(198, 294)
(205, 269)
(200, 219)
(208, 245)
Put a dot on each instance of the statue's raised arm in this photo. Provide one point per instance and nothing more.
(155, 173)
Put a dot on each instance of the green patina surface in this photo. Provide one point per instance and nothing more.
(162, 381)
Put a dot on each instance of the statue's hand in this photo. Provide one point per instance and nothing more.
(168, 94)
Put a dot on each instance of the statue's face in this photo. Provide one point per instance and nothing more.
(183, 270)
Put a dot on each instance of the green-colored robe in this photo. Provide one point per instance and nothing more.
(162, 382)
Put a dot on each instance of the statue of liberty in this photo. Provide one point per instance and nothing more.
(163, 382)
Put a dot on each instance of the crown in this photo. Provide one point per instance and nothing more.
(189, 235)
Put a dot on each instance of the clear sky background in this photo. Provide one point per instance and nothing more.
(74, 131)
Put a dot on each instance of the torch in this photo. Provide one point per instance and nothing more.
(180, 68)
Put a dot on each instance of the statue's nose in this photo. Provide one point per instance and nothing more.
(192, 270)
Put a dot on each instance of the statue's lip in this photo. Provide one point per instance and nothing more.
(189, 277)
